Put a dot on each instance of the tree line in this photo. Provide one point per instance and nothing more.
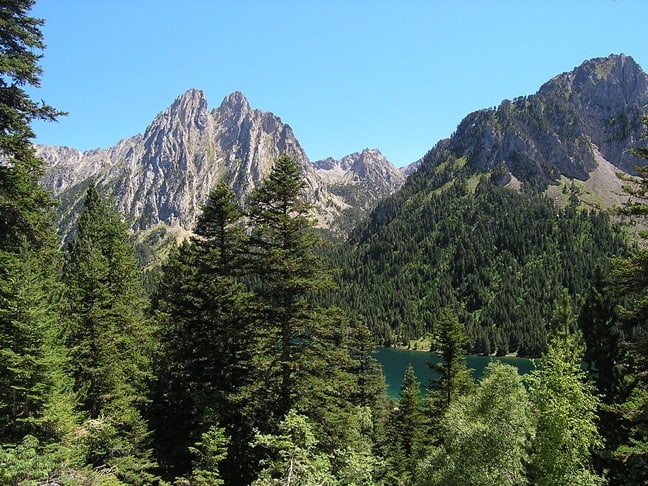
(500, 258)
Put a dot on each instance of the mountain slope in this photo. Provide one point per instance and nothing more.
(460, 233)
(596, 109)
(164, 175)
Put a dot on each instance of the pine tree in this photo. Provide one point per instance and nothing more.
(454, 377)
(24, 215)
(27, 357)
(109, 341)
(624, 363)
(29, 259)
(304, 345)
(406, 429)
(305, 352)
(205, 334)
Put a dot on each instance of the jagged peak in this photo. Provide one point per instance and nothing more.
(191, 94)
(373, 152)
(190, 100)
(188, 109)
(236, 102)
(620, 68)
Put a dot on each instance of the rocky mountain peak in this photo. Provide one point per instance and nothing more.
(369, 170)
(188, 111)
(616, 78)
(164, 176)
(234, 104)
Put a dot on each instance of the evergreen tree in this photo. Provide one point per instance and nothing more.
(29, 259)
(305, 353)
(629, 408)
(304, 346)
(24, 205)
(296, 460)
(109, 341)
(208, 454)
(281, 256)
(618, 316)
(454, 377)
(406, 430)
(28, 356)
(205, 326)
(565, 408)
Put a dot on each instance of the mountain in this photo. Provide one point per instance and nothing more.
(576, 122)
(473, 228)
(164, 175)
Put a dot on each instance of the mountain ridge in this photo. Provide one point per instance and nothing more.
(164, 175)
(573, 122)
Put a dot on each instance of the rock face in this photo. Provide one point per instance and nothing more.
(368, 171)
(164, 175)
(595, 109)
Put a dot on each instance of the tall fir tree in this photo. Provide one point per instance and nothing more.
(29, 258)
(305, 359)
(303, 344)
(406, 430)
(614, 324)
(454, 376)
(205, 339)
(109, 340)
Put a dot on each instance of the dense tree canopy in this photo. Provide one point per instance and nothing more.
(500, 258)
(29, 259)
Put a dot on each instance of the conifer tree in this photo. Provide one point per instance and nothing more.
(564, 405)
(29, 257)
(618, 317)
(304, 346)
(406, 429)
(204, 331)
(305, 352)
(454, 376)
(109, 341)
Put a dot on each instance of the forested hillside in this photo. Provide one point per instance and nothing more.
(454, 238)
(237, 370)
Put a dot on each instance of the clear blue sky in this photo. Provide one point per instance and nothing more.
(344, 74)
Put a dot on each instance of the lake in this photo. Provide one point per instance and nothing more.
(395, 361)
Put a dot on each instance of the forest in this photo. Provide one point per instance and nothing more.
(244, 365)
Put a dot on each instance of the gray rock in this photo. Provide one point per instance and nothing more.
(165, 175)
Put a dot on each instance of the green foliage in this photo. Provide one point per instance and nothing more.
(627, 393)
(565, 412)
(29, 260)
(484, 435)
(109, 341)
(26, 316)
(24, 464)
(296, 459)
(454, 377)
(406, 430)
(204, 322)
(498, 257)
(25, 207)
(208, 453)
(281, 256)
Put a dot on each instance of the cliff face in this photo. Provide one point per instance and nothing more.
(164, 175)
(594, 110)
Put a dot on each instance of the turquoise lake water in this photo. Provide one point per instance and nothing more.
(395, 361)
